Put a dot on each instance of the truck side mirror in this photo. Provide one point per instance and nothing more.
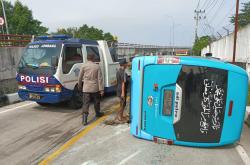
(54, 61)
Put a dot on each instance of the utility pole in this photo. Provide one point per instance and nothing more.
(171, 35)
(235, 29)
(173, 38)
(5, 19)
(197, 18)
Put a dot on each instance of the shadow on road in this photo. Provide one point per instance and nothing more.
(64, 107)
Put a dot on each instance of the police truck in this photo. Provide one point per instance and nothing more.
(50, 65)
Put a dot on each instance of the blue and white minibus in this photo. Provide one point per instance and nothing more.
(189, 101)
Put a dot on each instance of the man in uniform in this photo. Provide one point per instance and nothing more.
(122, 85)
(91, 77)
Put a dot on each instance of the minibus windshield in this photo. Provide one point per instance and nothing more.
(204, 93)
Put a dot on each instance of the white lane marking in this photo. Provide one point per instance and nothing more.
(129, 157)
(106, 138)
(12, 109)
(241, 151)
(89, 163)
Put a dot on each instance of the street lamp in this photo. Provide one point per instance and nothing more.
(173, 31)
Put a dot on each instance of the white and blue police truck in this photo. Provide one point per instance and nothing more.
(49, 68)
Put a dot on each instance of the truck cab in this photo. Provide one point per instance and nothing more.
(49, 68)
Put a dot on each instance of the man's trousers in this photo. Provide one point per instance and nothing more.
(86, 101)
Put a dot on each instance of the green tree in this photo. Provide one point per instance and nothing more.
(86, 32)
(201, 43)
(244, 15)
(69, 31)
(89, 33)
(21, 21)
(108, 37)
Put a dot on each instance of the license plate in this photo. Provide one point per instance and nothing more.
(34, 96)
(168, 103)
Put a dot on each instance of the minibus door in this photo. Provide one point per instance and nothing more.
(159, 88)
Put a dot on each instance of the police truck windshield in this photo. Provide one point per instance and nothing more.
(39, 56)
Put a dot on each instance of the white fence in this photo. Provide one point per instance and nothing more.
(223, 48)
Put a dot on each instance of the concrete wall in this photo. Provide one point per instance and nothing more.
(9, 58)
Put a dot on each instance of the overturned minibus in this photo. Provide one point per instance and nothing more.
(189, 101)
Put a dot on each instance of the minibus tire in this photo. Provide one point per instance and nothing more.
(76, 99)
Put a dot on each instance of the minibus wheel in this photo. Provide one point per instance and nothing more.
(76, 99)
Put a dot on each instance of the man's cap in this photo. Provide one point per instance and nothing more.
(123, 62)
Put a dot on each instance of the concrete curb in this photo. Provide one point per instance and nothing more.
(9, 99)
(3, 100)
(13, 98)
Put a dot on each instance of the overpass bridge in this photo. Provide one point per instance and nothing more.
(129, 50)
(122, 49)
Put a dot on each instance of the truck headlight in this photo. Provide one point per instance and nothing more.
(47, 89)
(22, 87)
(58, 88)
(53, 88)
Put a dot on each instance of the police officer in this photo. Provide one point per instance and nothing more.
(91, 77)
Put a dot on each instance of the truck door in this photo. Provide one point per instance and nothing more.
(98, 58)
(184, 103)
(109, 66)
(72, 59)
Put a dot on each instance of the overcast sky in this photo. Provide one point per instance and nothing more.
(137, 21)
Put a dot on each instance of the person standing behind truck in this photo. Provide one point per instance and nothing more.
(122, 82)
(91, 78)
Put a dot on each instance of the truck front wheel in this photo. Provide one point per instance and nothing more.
(76, 99)
(43, 104)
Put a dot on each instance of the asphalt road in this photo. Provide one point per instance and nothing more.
(108, 145)
(29, 131)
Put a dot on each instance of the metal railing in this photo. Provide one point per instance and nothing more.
(13, 40)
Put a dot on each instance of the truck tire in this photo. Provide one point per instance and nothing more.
(43, 104)
(76, 99)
